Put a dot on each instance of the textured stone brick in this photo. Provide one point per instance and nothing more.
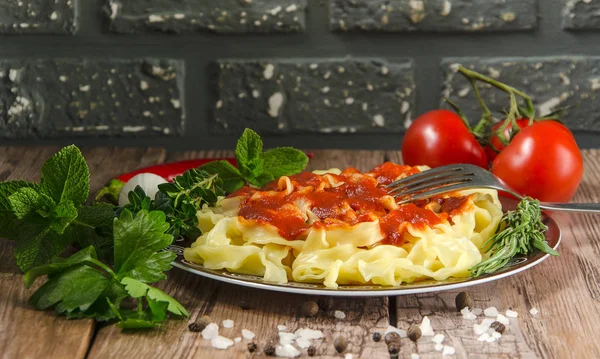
(314, 95)
(433, 15)
(222, 16)
(48, 98)
(552, 82)
(37, 16)
(581, 14)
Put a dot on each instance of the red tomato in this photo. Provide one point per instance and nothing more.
(542, 161)
(495, 140)
(439, 138)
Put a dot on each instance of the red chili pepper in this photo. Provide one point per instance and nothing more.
(169, 171)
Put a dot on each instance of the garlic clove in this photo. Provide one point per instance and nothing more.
(149, 183)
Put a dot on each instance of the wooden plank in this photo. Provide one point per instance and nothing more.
(25, 332)
(565, 290)
(267, 309)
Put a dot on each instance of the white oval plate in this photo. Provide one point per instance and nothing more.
(516, 265)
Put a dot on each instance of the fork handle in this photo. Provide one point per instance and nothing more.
(572, 207)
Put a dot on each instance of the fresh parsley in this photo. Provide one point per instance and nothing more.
(255, 166)
(81, 286)
(45, 218)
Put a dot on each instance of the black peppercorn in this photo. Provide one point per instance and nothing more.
(340, 344)
(376, 336)
(394, 348)
(199, 325)
(252, 347)
(326, 303)
(463, 300)
(392, 337)
(498, 327)
(309, 309)
(311, 351)
(269, 350)
(244, 304)
(414, 332)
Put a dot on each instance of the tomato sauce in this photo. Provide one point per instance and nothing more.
(353, 198)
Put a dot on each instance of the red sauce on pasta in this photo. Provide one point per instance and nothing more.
(342, 201)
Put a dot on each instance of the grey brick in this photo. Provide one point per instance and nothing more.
(37, 16)
(433, 15)
(68, 97)
(222, 16)
(552, 82)
(581, 15)
(314, 95)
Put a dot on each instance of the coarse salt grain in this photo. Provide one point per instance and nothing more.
(309, 334)
(392, 329)
(415, 356)
(426, 329)
(477, 311)
(281, 328)
(339, 314)
(534, 311)
(511, 313)
(237, 339)
(228, 323)
(287, 351)
(438, 347)
(438, 338)
(502, 319)
(211, 331)
(286, 338)
(448, 350)
(220, 342)
(496, 335)
(348, 356)
(491, 312)
(248, 334)
(303, 343)
(467, 314)
(483, 337)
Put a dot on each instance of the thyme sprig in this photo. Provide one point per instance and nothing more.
(520, 232)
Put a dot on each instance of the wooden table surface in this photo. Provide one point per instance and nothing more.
(565, 290)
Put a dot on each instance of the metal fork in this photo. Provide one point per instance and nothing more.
(463, 176)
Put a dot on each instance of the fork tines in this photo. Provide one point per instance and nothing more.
(431, 182)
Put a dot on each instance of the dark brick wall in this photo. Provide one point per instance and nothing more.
(191, 74)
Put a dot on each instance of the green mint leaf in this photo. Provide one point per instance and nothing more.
(98, 215)
(63, 215)
(94, 227)
(248, 151)
(230, 177)
(9, 188)
(137, 241)
(65, 176)
(284, 161)
(38, 244)
(76, 288)
(85, 255)
(27, 201)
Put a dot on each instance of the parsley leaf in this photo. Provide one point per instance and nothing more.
(65, 176)
(137, 289)
(138, 241)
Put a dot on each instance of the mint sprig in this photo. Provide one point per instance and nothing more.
(255, 166)
(82, 286)
(43, 218)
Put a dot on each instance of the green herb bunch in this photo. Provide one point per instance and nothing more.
(520, 232)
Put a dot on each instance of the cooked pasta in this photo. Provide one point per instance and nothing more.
(341, 227)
